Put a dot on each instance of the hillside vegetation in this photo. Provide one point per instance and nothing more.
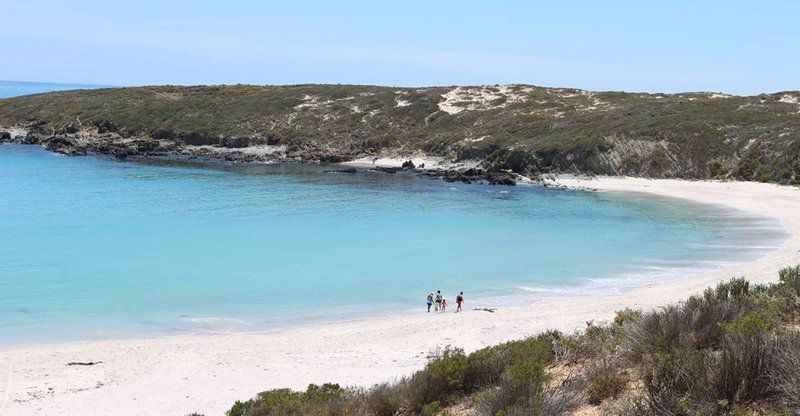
(733, 350)
(522, 129)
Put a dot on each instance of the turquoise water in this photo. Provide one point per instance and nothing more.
(96, 248)
(15, 88)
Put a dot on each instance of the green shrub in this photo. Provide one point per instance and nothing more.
(431, 409)
(741, 374)
(678, 382)
(239, 408)
(696, 324)
(441, 378)
(750, 325)
(487, 365)
(520, 390)
(605, 379)
(385, 399)
(718, 170)
(325, 400)
(783, 374)
(627, 315)
(790, 276)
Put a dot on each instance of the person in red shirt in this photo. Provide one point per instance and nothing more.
(459, 300)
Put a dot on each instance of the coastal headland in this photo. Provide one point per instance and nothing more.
(498, 134)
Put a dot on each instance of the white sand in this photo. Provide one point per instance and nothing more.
(421, 161)
(206, 373)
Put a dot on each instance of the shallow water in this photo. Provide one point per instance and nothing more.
(96, 248)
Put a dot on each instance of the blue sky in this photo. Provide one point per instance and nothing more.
(741, 47)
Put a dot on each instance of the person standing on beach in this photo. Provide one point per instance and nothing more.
(459, 300)
(444, 304)
(438, 300)
(430, 301)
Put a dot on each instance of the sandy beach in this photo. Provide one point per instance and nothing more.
(207, 373)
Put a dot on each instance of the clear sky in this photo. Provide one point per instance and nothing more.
(741, 47)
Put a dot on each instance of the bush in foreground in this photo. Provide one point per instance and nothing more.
(732, 348)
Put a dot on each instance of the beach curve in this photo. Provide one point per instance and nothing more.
(207, 373)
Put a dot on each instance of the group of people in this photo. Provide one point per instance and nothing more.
(439, 302)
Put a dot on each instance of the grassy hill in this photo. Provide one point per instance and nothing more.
(525, 129)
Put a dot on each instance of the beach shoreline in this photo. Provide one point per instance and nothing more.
(207, 373)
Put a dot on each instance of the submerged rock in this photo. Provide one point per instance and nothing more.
(346, 170)
(387, 169)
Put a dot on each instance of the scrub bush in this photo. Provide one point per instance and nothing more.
(730, 348)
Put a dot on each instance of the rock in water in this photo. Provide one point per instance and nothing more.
(65, 145)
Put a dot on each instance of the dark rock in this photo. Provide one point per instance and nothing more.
(65, 145)
(163, 134)
(145, 146)
(105, 126)
(330, 158)
(5, 136)
(501, 178)
(84, 363)
(34, 138)
(408, 165)
(235, 142)
(473, 175)
(197, 139)
(40, 127)
(348, 170)
(387, 170)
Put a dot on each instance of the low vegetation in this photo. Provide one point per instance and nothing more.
(733, 350)
(524, 129)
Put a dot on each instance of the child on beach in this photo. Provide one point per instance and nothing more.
(444, 304)
(459, 300)
(430, 301)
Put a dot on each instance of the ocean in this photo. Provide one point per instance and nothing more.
(95, 248)
(15, 88)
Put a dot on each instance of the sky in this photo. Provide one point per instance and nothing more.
(738, 47)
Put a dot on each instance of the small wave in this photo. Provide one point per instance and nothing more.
(626, 281)
(738, 246)
(216, 323)
(212, 320)
(551, 290)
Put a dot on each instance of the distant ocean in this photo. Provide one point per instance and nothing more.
(15, 88)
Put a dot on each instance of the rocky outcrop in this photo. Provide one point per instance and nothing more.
(475, 175)
(64, 144)
(73, 141)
